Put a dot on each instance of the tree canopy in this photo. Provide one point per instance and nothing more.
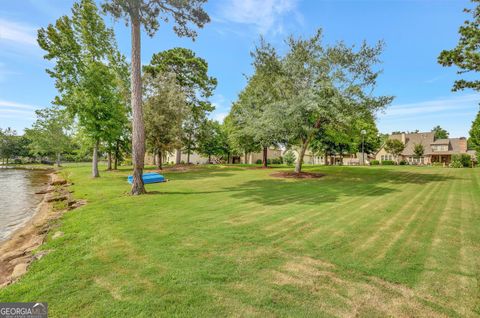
(440, 133)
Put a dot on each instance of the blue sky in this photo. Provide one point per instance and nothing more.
(414, 31)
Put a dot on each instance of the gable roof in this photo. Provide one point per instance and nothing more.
(424, 138)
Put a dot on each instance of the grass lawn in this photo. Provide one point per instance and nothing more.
(232, 241)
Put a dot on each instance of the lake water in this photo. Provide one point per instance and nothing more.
(18, 201)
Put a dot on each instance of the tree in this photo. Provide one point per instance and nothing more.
(192, 76)
(395, 147)
(86, 57)
(147, 13)
(324, 86)
(9, 143)
(210, 139)
(418, 150)
(440, 133)
(50, 133)
(248, 113)
(465, 55)
(165, 108)
(474, 140)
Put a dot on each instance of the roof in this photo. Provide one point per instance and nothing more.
(441, 142)
(425, 139)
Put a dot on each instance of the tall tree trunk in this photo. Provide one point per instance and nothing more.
(303, 149)
(209, 159)
(178, 159)
(138, 128)
(115, 162)
(109, 164)
(188, 156)
(246, 159)
(95, 173)
(58, 159)
(265, 157)
(159, 159)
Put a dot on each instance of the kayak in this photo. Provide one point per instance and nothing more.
(151, 177)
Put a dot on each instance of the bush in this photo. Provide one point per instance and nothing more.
(456, 164)
(463, 159)
(437, 164)
(277, 161)
(17, 161)
(289, 158)
(388, 163)
(374, 162)
(403, 163)
(258, 162)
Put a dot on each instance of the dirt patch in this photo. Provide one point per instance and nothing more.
(300, 175)
(16, 253)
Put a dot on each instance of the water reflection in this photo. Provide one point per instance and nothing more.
(18, 201)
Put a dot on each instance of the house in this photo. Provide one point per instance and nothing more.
(435, 150)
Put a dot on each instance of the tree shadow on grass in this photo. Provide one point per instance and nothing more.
(275, 191)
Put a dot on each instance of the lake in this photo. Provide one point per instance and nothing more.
(18, 201)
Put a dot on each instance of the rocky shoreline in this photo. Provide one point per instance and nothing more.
(17, 253)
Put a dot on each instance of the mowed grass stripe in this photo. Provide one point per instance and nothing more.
(316, 219)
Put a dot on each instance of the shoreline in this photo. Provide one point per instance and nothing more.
(16, 252)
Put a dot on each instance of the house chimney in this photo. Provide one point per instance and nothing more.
(404, 140)
(462, 142)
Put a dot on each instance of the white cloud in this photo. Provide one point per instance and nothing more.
(9, 104)
(17, 33)
(457, 103)
(265, 15)
(219, 116)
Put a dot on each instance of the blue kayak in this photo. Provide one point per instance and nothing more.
(151, 177)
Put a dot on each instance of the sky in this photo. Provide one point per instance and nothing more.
(414, 31)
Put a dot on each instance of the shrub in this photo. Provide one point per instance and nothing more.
(17, 161)
(269, 161)
(374, 162)
(277, 161)
(461, 161)
(258, 162)
(388, 163)
(403, 163)
(437, 164)
(289, 158)
(456, 164)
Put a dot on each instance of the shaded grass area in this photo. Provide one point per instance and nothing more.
(233, 241)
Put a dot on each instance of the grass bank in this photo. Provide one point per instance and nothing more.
(230, 241)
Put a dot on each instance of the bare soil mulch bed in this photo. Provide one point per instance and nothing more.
(301, 175)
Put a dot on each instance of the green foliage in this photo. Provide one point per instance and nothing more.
(474, 140)
(289, 158)
(440, 133)
(277, 161)
(463, 160)
(50, 134)
(456, 164)
(394, 146)
(374, 162)
(147, 13)
(12, 145)
(418, 150)
(465, 55)
(191, 74)
(164, 109)
(325, 87)
(212, 141)
(388, 163)
(89, 72)
(258, 162)
(403, 163)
